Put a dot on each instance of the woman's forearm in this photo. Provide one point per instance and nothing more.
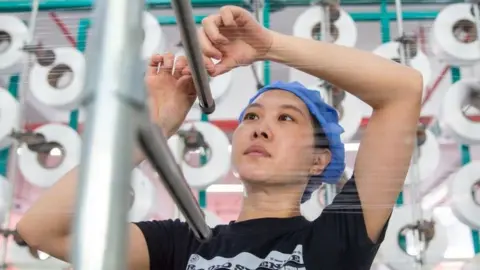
(50, 218)
(375, 80)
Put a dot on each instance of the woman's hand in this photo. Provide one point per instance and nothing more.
(171, 94)
(234, 37)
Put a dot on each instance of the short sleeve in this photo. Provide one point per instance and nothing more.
(168, 242)
(345, 215)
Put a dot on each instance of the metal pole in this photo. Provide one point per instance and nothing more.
(100, 235)
(158, 152)
(404, 53)
(184, 14)
(325, 25)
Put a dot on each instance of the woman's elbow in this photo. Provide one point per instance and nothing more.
(414, 85)
(30, 235)
(408, 89)
(27, 234)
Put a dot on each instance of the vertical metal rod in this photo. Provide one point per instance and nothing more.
(114, 74)
(13, 152)
(325, 25)
(330, 190)
(404, 52)
(184, 15)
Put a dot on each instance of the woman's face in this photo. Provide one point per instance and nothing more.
(274, 142)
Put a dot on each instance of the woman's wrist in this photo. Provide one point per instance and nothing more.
(276, 48)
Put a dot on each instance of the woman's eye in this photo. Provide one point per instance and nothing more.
(285, 117)
(250, 116)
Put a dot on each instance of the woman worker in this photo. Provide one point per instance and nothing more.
(287, 143)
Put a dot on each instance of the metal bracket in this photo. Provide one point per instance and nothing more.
(409, 42)
(192, 138)
(333, 8)
(35, 142)
(257, 4)
(45, 57)
(426, 233)
(421, 135)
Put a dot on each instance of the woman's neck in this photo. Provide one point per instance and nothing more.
(274, 202)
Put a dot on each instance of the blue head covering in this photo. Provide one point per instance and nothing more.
(327, 117)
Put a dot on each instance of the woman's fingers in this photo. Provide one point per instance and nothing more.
(155, 60)
(206, 45)
(168, 61)
(211, 26)
(228, 19)
(180, 64)
(224, 66)
(209, 66)
(160, 63)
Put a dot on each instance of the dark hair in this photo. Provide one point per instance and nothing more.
(319, 136)
(320, 142)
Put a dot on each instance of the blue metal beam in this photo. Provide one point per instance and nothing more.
(47, 5)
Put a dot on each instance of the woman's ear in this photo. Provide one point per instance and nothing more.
(321, 159)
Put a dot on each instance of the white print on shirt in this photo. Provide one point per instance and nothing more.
(248, 261)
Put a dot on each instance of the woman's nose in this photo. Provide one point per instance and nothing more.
(262, 133)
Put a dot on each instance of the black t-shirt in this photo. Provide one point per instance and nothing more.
(336, 240)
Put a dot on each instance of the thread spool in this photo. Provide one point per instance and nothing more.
(454, 37)
(154, 40)
(343, 31)
(465, 195)
(401, 222)
(219, 85)
(194, 140)
(348, 109)
(142, 197)
(9, 112)
(418, 60)
(13, 36)
(61, 84)
(453, 118)
(429, 156)
(48, 164)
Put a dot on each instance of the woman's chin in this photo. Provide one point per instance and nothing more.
(252, 174)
